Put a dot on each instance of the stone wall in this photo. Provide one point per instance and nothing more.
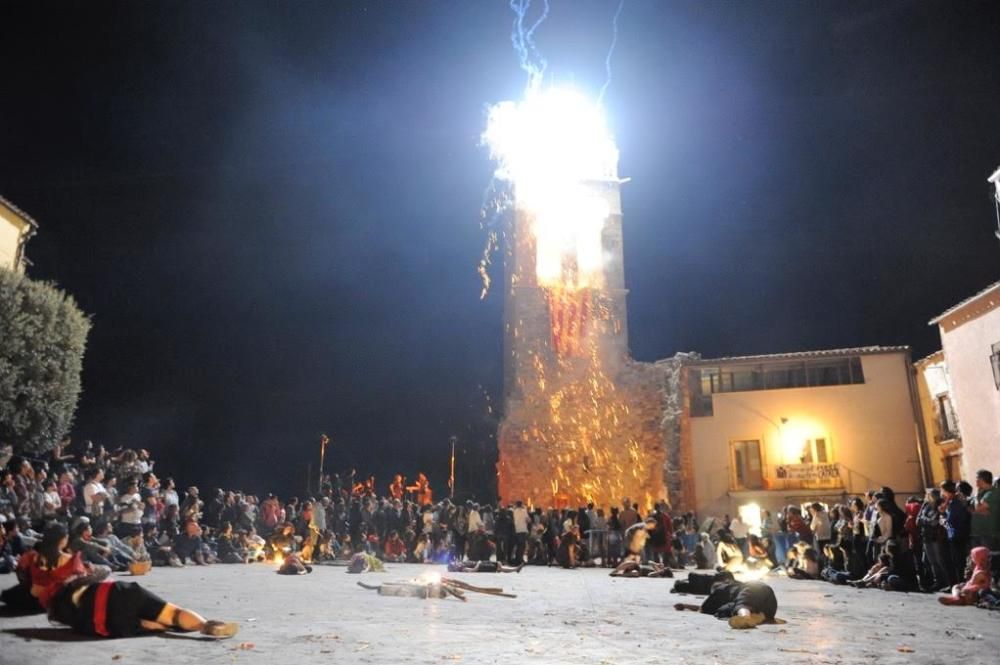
(599, 447)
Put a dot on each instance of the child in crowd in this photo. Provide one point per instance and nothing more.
(967, 593)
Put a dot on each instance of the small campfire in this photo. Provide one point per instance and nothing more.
(433, 585)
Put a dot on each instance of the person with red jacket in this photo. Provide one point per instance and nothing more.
(394, 548)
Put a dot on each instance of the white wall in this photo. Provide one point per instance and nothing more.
(10, 235)
(974, 395)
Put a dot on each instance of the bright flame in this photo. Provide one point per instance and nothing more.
(279, 558)
(550, 146)
(430, 578)
(751, 574)
(750, 515)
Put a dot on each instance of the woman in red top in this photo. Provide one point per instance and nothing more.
(70, 592)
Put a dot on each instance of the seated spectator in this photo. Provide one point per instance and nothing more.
(394, 549)
(728, 552)
(758, 554)
(876, 574)
(967, 593)
(93, 552)
(902, 575)
(189, 544)
(807, 565)
(104, 536)
(229, 547)
(159, 548)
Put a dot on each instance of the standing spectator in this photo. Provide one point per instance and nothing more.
(520, 517)
(51, 503)
(191, 506)
(957, 522)
(934, 539)
(94, 494)
(168, 492)
(67, 493)
(130, 507)
(985, 512)
(628, 515)
(820, 526)
(739, 529)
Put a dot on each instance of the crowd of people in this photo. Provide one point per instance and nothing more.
(117, 513)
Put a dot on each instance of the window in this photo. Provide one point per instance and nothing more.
(995, 362)
(772, 376)
(947, 422)
(816, 451)
(748, 471)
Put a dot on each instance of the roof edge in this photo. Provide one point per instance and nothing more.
(7, 203)
(795, 355)
(940, 317)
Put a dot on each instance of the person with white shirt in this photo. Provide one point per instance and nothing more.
(130, 509)
(51, 503)
(740, 532)
(475, 518)
(521, 522)
(820, 526)
(94, 494)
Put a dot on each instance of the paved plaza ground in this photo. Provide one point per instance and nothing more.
(559, 616)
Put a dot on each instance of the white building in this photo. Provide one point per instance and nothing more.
(16, 228)
(970, 340)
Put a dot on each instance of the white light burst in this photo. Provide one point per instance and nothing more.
(552, 147)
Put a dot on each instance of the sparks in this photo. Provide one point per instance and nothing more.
(551, 147)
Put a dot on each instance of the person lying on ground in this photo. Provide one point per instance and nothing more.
(967, 593)
(744, 604)
(294, 565)
(636, 569)
(482, 567)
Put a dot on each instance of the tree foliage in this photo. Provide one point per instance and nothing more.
(42, 339)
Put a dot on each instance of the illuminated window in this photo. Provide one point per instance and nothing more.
(748, 470)
(816, 451)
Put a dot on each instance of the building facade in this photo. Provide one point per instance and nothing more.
(16, 228)
(768, 431)
(970, 343)
(944, 439)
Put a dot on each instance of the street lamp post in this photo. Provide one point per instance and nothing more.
(451, 476)
(323, 441)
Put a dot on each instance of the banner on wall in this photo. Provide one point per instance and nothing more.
(813, 472)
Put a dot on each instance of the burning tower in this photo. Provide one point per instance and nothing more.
(582, 421)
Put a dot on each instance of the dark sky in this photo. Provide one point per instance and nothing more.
(271, 208)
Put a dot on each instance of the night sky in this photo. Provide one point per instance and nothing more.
(271, 209)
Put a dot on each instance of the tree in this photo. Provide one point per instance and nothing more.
(42, 339)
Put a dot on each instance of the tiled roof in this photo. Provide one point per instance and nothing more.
(802, 355)
(20, 213)
(965, 302)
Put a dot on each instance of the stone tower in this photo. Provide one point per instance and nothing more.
(581, 419)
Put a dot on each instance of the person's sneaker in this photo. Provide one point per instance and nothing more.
(219, 629)
(742, 621)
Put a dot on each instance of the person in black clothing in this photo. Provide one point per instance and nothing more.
(744, 604)
(189, 545)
